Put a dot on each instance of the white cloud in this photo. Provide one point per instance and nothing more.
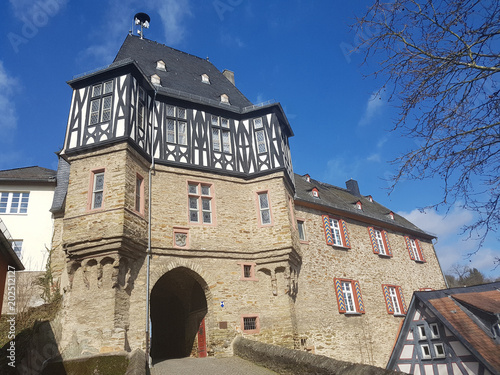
(340, 169)
(8, 118)
(119, 20)
(438, 224)
(172, 14)
(373, 107)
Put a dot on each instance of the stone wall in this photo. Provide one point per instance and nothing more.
(364, 338)
(294, 362)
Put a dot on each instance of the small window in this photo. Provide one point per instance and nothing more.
(250, 324)
(97, 190)
(261, 141)
(247, 271)
(160, 65)
(177, 131)
(391, 215)
(336, 232)
(426, 352)
(414, 249)
(264, 208)
(257, 123)
(155, 80)
(358, 205)
(315, 193)
(302, 230)
(139, 194)
(205, 78)
(434, 330)
(224, 99)
(221, 135)
(439, 350)
(421, 332)
(200, 203)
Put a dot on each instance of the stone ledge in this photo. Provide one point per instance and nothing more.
(294, 362)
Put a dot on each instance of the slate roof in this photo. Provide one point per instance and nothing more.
(61, 190)
(462, 322)
(28, 174)
(343, 201)
(183, 71)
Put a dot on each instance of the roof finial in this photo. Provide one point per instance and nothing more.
(143, 20)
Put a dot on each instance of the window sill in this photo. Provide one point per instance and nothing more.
(341, 247)
(385, 256)
(353, 313)
(304, 242)
(400, 315)
(419, 261)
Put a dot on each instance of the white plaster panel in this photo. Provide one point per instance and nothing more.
(405, 367)
(471, 367)
(442, 369)
(416, 316)
(459, 349)
(416, 370)
(428, 370)
(456, 369)
(407, 352)
(410, 336)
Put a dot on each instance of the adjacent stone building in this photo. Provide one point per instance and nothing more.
(163, 152)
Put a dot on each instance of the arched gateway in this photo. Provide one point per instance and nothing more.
(178, 306)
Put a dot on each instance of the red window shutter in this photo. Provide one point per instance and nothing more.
(345, 234)
(359, 299)
(388, 302)
(408, 246)
(340, 295)
(402, 299)
(385, 237)
(419, 247)
(328, 230)
(373, 239)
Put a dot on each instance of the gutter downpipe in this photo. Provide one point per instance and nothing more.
(148, 253)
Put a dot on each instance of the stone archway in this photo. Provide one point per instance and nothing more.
(178, 305)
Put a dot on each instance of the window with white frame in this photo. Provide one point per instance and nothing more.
(221, 134)
(426, 351)
(176, 125)
(100, 103)
(394, 299)
(380, 242)
(257, 123)
(336, 232)
(264, 208)
(434, 330)
(349, 298)
(17, 246)
(14, 202)
(421, 332)
(200, 203)
(414, 249)
(97, 189)
(439, 350)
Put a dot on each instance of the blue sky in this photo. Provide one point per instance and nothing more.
(294, 52)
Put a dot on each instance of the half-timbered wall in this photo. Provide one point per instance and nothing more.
(248, 148)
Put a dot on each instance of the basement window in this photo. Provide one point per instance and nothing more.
(250, 324)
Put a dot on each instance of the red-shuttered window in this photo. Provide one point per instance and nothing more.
(336, 233)
(414, 249)
(349, 298)
(394, 299)
(380, 241)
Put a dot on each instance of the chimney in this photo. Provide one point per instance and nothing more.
(229, 75)
(352, 186)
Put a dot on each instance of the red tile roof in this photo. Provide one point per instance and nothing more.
(468, 329)
(487, 301)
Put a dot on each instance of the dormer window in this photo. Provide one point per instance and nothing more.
(391, 215)
(370, 198)
(358, 205)
(155, 80)
(160, 65)
(205, 79)
(307, 178)
(315, 193)
(224, 98)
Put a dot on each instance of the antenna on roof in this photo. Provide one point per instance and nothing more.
(143, 20)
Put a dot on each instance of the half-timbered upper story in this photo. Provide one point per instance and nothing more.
(179, 109)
